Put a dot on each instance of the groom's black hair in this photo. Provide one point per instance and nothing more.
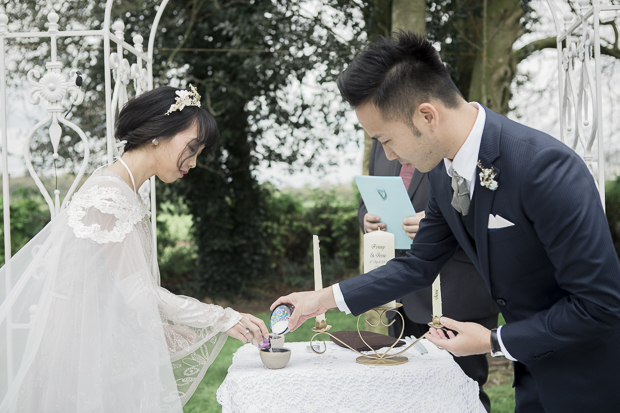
(144, 118)
(397, 74)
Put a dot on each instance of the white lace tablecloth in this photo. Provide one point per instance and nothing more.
(333, 382)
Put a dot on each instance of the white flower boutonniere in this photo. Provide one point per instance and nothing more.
(487, 177)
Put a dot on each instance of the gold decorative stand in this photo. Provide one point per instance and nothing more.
(376, 359)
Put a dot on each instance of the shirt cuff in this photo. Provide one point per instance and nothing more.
(501, 344)
(339, 298)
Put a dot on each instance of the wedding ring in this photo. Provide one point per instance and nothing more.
(246, 331)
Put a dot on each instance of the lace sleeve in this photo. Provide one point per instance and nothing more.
(103, 214)
(191, 312)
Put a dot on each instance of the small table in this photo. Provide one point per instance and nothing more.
(333, 382)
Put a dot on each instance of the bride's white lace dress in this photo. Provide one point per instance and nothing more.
(102, 335)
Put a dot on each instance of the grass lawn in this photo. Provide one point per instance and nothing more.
(203, 401)
(502, 398)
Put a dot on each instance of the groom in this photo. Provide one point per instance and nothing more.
(525, 209)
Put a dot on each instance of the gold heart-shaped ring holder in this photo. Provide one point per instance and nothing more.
(376, 359)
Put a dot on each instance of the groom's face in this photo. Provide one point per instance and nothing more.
(400, 142)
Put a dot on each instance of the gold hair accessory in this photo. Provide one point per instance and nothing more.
(185, 98)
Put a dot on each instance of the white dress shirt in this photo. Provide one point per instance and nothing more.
(464, 163)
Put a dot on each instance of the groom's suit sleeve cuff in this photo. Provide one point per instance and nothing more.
(499, 338)
(339, 298)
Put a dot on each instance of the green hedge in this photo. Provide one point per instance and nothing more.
(289, 221)
(289, 225)
(29, 214)
(612, 209)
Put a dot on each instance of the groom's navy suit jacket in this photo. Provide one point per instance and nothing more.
(555, 273)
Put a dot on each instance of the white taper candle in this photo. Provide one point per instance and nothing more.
(437, 311)
(318, 278)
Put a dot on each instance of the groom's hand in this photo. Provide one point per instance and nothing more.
(307, 305)
(471, 339)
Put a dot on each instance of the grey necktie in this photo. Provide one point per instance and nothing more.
(460, 197)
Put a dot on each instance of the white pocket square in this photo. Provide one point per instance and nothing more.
(497, 222)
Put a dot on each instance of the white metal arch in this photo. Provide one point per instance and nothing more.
(53, 88)
(580, 82)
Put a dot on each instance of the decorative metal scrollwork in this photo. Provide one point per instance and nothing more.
(53, 86)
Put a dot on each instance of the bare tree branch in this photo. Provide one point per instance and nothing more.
(535, 46)
(613, 25)
(550, 42)
(613, 52)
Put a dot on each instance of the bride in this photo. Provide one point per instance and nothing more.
(86, 321)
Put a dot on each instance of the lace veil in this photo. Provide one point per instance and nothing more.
(91, 329)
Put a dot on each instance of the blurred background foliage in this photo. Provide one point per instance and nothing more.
(612, 210)
(293, 217)
(29, 214)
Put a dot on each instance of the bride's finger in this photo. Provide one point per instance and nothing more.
(258, 323)
(244, 332)
(253, 329)
(236, 334)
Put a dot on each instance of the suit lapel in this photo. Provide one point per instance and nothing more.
(488, 154)
(416, 179)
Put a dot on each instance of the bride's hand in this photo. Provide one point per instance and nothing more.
(249, 328)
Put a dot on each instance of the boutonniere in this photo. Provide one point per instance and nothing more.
(487, 177)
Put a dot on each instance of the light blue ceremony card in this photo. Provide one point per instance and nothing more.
(387, 197)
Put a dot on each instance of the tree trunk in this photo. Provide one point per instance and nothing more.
(409, 15)
(494, 66)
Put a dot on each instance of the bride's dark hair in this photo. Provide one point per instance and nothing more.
(144, 118)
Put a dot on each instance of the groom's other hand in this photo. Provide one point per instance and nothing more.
(471, 339)
(412, 224)
(306, 305)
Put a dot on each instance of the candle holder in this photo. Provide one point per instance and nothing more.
(320, 326)
(435, 323)
(376, 359)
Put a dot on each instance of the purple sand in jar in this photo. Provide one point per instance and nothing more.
(265, 344)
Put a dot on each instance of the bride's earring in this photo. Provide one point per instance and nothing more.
(155, 141)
